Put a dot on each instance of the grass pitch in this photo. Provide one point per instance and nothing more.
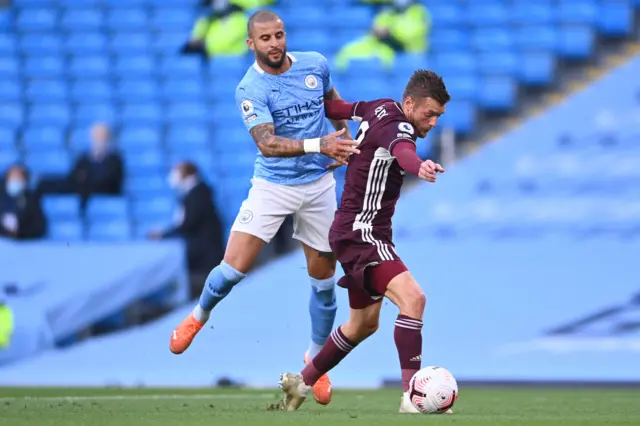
(171, 407)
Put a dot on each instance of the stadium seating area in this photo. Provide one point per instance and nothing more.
(65, 64)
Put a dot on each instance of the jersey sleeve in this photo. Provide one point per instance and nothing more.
(253, 107)
(327, 83)
(394, 131)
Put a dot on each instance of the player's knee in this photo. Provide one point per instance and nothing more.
(360, 330)
(414, 305)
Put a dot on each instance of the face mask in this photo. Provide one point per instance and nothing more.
(174, 180)
(15, 187)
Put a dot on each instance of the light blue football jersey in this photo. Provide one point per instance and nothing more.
(294, 102)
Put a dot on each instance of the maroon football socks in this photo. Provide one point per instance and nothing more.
(408, 338)
(334, 351)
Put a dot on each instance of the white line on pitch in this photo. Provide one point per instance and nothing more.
(138, 397)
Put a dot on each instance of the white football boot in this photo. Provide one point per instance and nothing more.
(406, 407)
(295, 391)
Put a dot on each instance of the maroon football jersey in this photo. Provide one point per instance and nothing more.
(374, 177)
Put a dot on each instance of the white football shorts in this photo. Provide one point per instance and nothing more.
(313, 206)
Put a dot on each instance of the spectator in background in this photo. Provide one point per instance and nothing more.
(222, 32)
(99, 171)
(6, 325)
(197, 223)
(21, 214)
(402, 27)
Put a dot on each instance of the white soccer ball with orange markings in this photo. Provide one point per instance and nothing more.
(433, 390)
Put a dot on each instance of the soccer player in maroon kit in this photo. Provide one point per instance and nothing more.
(361, 234)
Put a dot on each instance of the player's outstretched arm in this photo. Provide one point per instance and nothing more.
(272, 145)
(405, 153)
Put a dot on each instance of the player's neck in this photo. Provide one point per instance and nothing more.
(286, 65)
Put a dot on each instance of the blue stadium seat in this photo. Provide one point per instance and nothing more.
(497, 93)
(105, 207)
(7, 139)
(140, 138)
(536, 37)
(360, 17)
(43, 138)
(192, 136)
(40, 44)
(44, 67)
(492, 39)
(502, 63)
(61, 207)
(447, 15)
(576, 42)
(448, 39)
(202, 158)
(109, 230)
(180, 66)
(79, 19)
(126, 19)
(460, 116)
(577, 12)
(96, 66)
(86, 43)
(134, 66)
(11, 113)
(177, 89)
(8, 67)
(144, 186)
(537, 68)
(188, 111)
(151, 208)
(304, 17)
(50, 113)
(130, 42)
(485, 14)
(463, 87)
(88, 113)
(532, 13)
(173, 18)
(8, 157)
(47, 91)
(65, 230)
(168, 42)
(137, 90)
(80, 139)
(615, 18)
(10, 90)
(146, 163)
(7, 43)
(447, 64)
(54, 162)
(141, 113)
(6, 19)
(36, 19)
(91, 90)
(224, 67)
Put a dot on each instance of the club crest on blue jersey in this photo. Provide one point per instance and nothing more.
(311, 81)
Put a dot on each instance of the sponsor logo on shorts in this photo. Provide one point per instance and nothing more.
(246, 216)
(247, 107)
(311, 81)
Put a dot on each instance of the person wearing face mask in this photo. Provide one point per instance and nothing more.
(197, 222)
(98, 171)
(21, 214)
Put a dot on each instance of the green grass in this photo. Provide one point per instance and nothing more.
(139, 407)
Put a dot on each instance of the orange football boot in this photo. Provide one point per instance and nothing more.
(322, 390)
(183, 335)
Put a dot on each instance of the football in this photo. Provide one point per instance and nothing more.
(433, 390)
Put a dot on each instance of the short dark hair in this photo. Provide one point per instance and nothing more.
(426, 84)
(260, 17)
(189, 168)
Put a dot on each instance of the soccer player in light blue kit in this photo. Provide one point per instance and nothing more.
(281, 100)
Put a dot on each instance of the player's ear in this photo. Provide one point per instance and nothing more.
(250, 44)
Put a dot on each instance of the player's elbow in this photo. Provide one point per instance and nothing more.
(265, 150)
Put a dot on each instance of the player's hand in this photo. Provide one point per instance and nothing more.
(334, 165)
(338, 149)
(429, 170)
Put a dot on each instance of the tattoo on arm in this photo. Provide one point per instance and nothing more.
(275, 146)
(327, 255)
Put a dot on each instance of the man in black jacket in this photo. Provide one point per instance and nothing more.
(21, 214)
(199, 224)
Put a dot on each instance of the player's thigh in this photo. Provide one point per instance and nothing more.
(265, 208)
(405, 292)
(242, 250)
(312, 221)
(362, 322)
